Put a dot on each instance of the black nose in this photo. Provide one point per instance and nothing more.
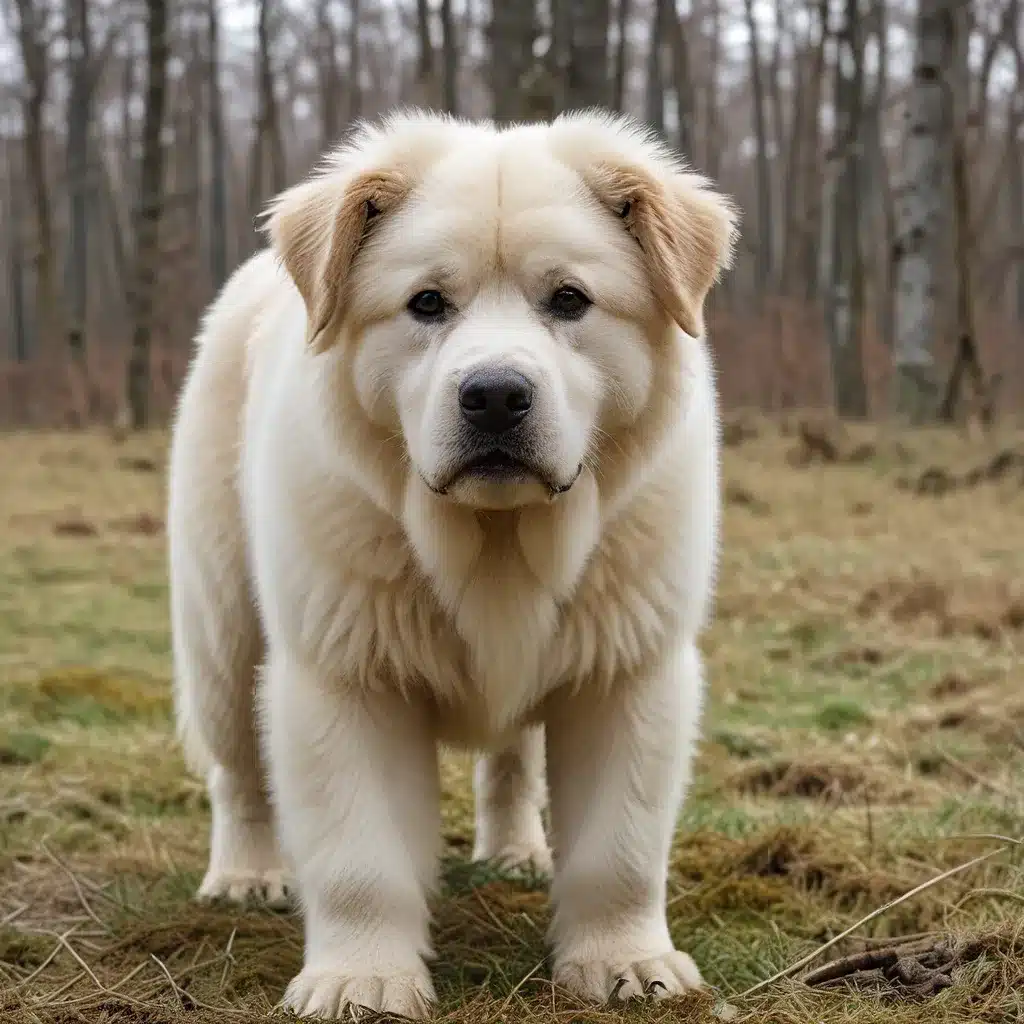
(495, 399)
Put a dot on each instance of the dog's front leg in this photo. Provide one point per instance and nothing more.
(355, 786)
(617, 768)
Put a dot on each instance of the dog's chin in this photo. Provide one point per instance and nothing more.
(496, 481)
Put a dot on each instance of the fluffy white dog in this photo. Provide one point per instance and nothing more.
(445, 471)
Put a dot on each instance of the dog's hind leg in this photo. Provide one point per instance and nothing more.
(216, 636)
(510, 796)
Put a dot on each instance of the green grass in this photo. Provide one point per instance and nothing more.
(865, 732)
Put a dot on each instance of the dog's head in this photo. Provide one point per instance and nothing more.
(507, 298)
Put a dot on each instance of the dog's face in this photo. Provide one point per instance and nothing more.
(505, 294)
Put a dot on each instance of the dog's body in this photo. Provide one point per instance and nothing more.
(450, 442)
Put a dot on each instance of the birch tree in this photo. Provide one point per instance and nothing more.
(920, 215)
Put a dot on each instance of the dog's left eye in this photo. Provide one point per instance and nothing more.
(427, 305)
(569, 303)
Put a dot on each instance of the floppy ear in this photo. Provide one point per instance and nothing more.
(686, 231)
(317, 228)
(685, 228)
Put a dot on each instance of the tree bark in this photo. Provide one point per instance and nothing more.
(147, 249)
(845, 283)
(966, 363)
(328, 74)
(654, 99)
(449, 60)
(34, 46)
(218, 152)
(682, 83)
(588, 62)
(765, 224)
(78, 188)
(920, 214)
(621, 54)
(513, 29)
(712, 141)
(355, 63)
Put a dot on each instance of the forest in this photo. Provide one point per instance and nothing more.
(873, 146)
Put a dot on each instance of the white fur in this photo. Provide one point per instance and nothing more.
(391, 618)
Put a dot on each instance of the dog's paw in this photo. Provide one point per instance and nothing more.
(601, 981)
(273, 888)
(328, 996)
(528, 858)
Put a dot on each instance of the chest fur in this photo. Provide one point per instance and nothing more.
(487, 623)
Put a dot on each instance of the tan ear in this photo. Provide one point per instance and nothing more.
(318, 227)
(686, 230)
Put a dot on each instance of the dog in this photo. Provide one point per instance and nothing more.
(444, 471)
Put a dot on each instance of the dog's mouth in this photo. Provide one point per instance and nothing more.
(496, 465)
(499, 467)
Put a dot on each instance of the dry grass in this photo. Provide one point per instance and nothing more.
(865, 734)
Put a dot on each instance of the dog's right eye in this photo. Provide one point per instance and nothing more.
(427, 305)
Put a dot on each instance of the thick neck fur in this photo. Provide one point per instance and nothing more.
(538, 553)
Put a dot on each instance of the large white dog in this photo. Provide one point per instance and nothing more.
(445, 471)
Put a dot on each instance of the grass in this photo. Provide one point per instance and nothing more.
(865, 734)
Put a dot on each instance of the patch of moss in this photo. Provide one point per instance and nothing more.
(89, 697)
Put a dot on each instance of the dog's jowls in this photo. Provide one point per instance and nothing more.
(445, 471)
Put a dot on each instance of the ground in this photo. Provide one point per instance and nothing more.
(864, 734)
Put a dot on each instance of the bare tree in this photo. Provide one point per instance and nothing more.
(147, 248)
(328, 73)
(920, 214)
(267, 167)
(966, 362)
(33, 32)
(355, 62)
(622, 13)
(844, 251)
(513, 29)
(218, 153)
(682, 82)
(449, 60)
(588, 54)
(765, 225)
(654, 100)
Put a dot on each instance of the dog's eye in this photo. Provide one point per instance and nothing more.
(569, 303)
(428, 305)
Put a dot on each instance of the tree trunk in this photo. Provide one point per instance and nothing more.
(765, 225)
(355, 63)
(78, 189)
(588, 62)
(449, 60)
(147, 249)
(966, 363)
(15, 257)
(329, 77)
(654, 100)
(920, 208)
(559, 55)
(792, 228)
(425, 57)
(512, 32)
(218, 154)
(845, 283)
(811, 212)
(682, 83)
(712, 141)
(621, 55)
(35, 58)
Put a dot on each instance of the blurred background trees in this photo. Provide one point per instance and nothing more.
(874, 146)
